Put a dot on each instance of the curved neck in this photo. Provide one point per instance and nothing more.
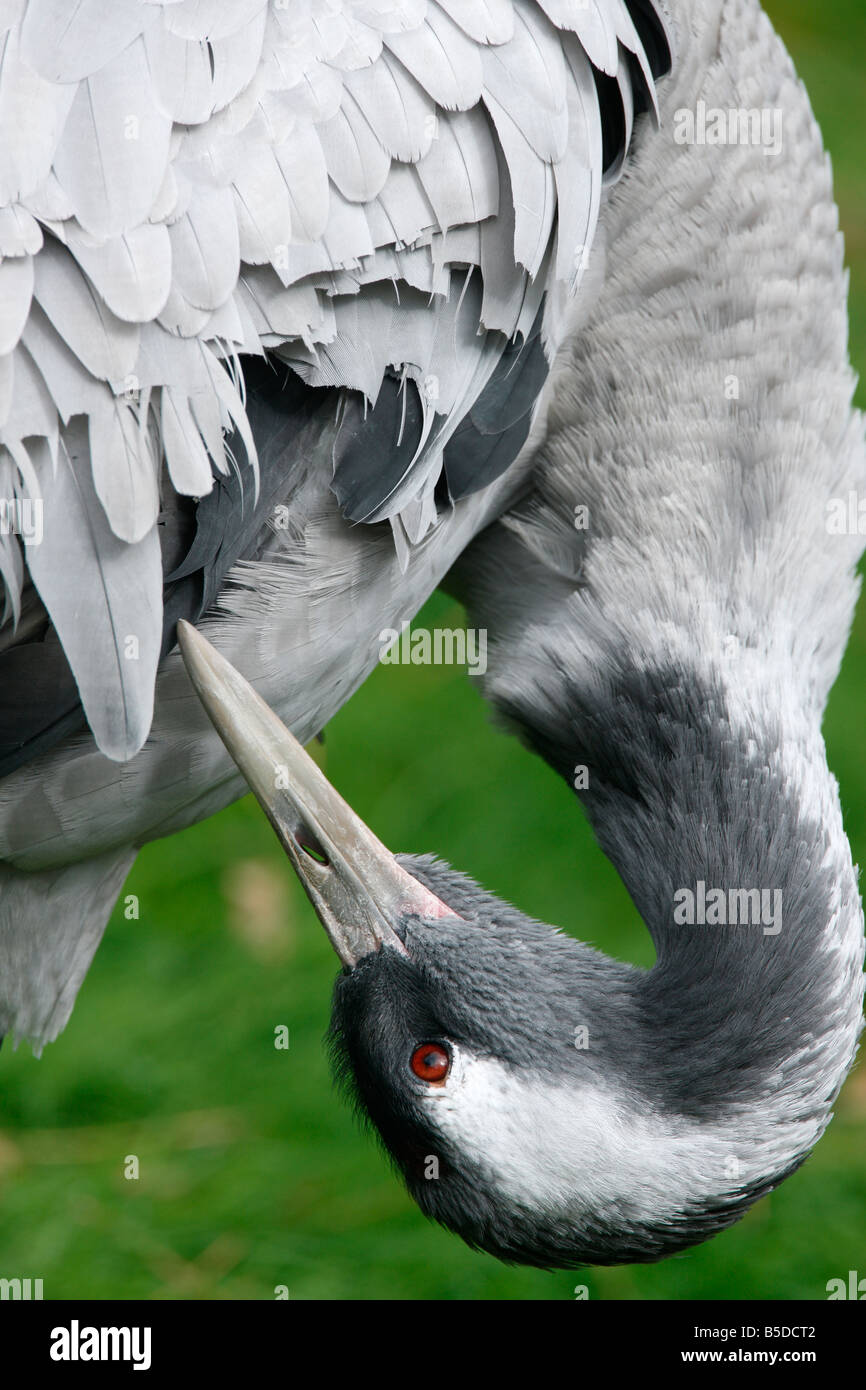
(724, 823)
(677, 609)
(674, 615)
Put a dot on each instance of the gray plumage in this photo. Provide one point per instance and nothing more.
(678, 643)
(370, 190)
(227, 183)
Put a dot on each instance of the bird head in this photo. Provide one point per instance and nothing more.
(462, 1046)
(506, 1067)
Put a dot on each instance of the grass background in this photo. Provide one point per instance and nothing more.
(253, 1173)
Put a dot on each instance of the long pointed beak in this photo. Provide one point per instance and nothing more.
(355, 884)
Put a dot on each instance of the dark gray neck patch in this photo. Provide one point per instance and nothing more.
(684, 804)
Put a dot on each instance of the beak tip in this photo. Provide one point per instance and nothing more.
(212, 676)
(190, 641)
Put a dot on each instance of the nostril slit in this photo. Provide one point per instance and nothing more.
(311, 847)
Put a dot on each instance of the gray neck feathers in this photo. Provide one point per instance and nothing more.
(679, 636)
(729, 840)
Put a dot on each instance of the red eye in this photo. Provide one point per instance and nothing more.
(431, 1062)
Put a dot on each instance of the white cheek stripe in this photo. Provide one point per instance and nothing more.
(575, 1152)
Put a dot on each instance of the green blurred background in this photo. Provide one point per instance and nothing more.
(253, 1173)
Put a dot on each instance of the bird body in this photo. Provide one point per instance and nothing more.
(401, 358)
(667, 610)
(375, 195)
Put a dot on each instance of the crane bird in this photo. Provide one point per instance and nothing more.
(302, 309)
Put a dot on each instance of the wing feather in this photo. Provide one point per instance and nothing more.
(485, 21)
(124, 469)
(302, 165)
(33, 112)
(7, 375)
(443, 60)
(111, 157)
(65, 42)
(594, 23)
(579, 188)
(211, 19)
(104, 344)
(16, 292)
(104, 596)
(20, 233)
(205, 249)
(185, 453)
(397, 109)
(526, 78)
(356, 160)
(31, 409)
(382, 192)
(131, 273)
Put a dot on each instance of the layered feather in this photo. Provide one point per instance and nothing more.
(368, 188)
(104, 596)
